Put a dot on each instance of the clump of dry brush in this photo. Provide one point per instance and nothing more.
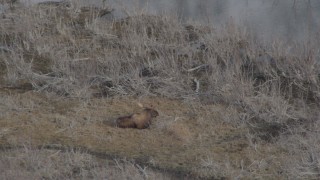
(82, 52)
(74, 50)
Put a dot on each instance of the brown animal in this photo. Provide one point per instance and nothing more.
(140, 120)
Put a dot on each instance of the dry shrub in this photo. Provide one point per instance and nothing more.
(69, 47)
(70, 51)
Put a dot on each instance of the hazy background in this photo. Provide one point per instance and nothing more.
(268, 19)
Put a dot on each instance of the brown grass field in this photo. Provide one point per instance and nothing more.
(230, 106)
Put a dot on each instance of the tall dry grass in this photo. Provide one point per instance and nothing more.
(271, 88)
(30, 163)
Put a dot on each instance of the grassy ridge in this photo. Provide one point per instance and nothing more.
(230, 105)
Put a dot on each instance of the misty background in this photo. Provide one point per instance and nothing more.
(290, 20)
(268, 19)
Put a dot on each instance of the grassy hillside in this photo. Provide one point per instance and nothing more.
(230, 105)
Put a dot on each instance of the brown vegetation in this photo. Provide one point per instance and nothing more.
(231, 105)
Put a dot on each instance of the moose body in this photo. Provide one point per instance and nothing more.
(140, 120)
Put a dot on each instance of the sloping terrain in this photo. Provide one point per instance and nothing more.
(229, 105)
(179, 139)
(184, 139)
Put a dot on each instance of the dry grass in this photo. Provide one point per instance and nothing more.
(230, 106)
(30, 163)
